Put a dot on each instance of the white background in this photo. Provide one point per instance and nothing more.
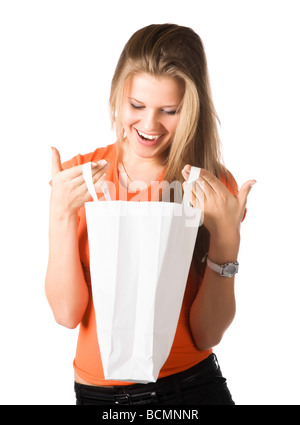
(57, 60)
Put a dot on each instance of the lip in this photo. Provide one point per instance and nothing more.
(150, 143)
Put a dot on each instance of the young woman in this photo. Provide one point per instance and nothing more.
(165, 122)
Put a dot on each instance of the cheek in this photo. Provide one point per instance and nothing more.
(128, 118)
(172, 126)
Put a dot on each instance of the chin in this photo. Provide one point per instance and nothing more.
(144, 151)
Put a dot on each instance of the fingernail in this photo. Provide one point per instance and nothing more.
(252, 184)
(102, 162)
(187, 168)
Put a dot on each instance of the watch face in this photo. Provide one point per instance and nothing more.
(230, 270)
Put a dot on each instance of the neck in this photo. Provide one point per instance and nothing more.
(140, 168)
(130, 157)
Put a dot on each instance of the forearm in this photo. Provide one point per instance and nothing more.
(214, 306)
(65, 286)
(213, 309)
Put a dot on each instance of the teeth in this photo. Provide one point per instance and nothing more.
(147, 136)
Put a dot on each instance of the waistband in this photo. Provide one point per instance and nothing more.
(162, 389)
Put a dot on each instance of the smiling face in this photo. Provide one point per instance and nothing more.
(150, 113)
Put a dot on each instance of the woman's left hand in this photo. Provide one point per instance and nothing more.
(223, 211)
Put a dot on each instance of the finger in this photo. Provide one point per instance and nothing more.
(98, 188)
(99, 169)
(244, 192)
(73, 172)
(186, 174)
(191, 203)
(98, 176)
(56, 162)
(186, 171)
(99, 183)
(211, 180)
(212, 183)
(102, 163)
(197, 195)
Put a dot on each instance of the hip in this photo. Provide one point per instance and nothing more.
(202, 384)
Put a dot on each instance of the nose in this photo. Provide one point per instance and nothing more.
(150, 121)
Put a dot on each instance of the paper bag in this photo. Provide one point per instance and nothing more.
(140, 255)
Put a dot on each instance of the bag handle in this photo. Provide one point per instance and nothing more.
(87, 175)
(194, 175)
(88, 178)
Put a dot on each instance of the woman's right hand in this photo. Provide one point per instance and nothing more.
(69, 191)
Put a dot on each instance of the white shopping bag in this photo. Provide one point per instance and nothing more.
(140, 255)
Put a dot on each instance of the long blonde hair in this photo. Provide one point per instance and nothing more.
(169, 50)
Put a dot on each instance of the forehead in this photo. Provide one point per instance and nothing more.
(166, 91)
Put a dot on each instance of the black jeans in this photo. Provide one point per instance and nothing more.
(202, 384)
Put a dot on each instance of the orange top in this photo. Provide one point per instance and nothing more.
(87, 362)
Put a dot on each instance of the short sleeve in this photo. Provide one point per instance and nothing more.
(76, 160)
(94, 156)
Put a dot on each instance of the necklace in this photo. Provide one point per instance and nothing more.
(126, 171)
(131, 180)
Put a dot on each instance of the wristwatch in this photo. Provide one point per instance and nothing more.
(225, 270)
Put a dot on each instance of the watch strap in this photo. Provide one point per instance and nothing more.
(224, 269)
(215, 267)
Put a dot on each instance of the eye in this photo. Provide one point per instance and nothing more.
(171, 112)
(136, 106)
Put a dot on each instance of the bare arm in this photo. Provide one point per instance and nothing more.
(213, 309)
(65, 286)
(214, 306)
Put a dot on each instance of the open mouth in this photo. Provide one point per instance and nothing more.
(148, 138)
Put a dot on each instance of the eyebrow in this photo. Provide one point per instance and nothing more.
(166, 106)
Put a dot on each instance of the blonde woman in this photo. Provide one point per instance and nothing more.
(165, 121)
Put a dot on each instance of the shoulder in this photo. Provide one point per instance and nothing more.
(108, 152)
